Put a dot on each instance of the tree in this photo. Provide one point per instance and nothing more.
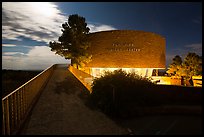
(191, 66)
(175, 66)
(73, 43)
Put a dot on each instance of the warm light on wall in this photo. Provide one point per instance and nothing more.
(144, 72)
(162, 80)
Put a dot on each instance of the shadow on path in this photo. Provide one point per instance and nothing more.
(61, 110)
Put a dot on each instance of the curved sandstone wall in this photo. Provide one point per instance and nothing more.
(126, 49)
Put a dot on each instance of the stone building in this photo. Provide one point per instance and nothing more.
(129, 50)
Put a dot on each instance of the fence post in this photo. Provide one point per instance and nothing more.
(7, 118)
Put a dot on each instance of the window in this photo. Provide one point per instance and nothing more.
(97, 72)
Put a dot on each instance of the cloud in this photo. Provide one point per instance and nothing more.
(38, 58)
(101, 27)
(38, 21)
(8, 45)
(13, 53)
(196, 47)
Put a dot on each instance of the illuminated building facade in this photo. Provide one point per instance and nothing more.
(131, 51)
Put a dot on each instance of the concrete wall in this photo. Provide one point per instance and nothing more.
(164, 80)
(83, 77)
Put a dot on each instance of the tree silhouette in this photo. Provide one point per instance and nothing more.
(73, 43)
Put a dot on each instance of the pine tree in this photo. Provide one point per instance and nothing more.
(73, 43)
(191, 66)
(175, 66)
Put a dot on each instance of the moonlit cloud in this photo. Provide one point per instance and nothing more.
(13, 53)
(40, 21)
(38, 58)
(8, 45)
(102, 27)
(40, 51)
(196, 47)
(37, 21)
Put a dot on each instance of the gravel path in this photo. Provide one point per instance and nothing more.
(61, 110)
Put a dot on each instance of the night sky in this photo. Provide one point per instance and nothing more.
(27, 28)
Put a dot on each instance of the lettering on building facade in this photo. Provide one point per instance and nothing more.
(130, 47)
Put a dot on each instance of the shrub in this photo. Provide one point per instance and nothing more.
(125, 95)
(118, 92)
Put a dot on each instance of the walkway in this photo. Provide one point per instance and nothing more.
(61, 110)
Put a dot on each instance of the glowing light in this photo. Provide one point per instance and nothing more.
(162, 80)
(43, 8)
(144, 72)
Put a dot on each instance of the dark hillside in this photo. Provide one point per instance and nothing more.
(12, 79)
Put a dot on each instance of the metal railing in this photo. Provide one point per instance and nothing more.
(17, 105)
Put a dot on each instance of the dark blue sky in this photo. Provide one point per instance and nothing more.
(180, 23)
(175, 21)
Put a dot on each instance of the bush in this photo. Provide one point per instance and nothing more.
(119, 92)
(125, 95)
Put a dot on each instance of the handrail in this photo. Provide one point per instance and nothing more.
(17, 104)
